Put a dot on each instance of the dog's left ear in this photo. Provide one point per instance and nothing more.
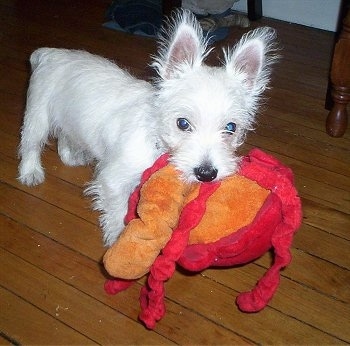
(182, 45)
(251, 59)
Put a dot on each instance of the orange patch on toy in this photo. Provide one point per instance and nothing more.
(228, 212)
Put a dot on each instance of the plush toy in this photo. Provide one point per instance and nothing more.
(197, 226)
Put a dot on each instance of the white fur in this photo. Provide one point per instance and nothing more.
(101, 113)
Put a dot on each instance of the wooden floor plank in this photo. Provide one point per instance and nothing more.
(62, 226)
(70, 306)
(325, 278)
(28, 325)
(203, 286)
(294, 299)
(316, 242)
(297, 144)
(327, 219)
(56, 191)
(5, 340)
(69, 36)
(67, 264)
(199, 292)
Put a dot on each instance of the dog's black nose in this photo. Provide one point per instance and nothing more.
(205, 173)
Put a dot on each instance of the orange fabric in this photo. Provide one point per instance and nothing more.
(233, 206)
(162, 198)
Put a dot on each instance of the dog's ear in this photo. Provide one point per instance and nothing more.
(181, 45)
(251, 58)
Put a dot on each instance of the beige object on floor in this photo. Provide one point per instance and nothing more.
(205, 7)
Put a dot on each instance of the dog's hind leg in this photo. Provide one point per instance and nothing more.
(71, 154)
(35, 132)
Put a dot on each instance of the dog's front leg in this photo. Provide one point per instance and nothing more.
(115, 180)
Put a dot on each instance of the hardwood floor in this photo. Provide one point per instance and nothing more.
(51, 282)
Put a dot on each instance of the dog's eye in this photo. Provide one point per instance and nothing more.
(184, 125)
(230, 128)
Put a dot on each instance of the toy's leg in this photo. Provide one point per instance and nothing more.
(256, 299)
(115, 286)
(152, 295)
(152, 303)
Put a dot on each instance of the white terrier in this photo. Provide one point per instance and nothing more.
(99, 112)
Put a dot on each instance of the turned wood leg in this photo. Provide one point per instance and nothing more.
(337, 119)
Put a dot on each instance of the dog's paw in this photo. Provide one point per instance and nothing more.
(35, 177)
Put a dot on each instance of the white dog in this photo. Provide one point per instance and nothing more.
(99, 112)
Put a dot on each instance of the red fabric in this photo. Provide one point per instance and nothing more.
(152, 295)
(273, 227)
(116, 286)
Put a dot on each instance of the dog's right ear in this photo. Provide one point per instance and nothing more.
(252, 58)
(181, 45)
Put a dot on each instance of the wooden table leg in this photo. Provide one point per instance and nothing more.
(254, 9)
(337, 119)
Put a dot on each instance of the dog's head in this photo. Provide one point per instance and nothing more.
(206, 111)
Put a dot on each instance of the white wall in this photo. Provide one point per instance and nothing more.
(322, 14)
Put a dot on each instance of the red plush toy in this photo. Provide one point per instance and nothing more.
(205, 225)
